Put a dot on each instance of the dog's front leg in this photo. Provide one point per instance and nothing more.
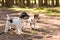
(22, 27)
(6, 27)
(30, 26)
(18, 29)
(26, 22)
(34, 23)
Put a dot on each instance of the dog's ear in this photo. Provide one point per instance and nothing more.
(8, 17)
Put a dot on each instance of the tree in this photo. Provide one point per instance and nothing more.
(2, 2)
(16, 2)
(40, 2)
(34, 1)
(52, 2)
(28, 3)
(9, 3)
(45, 2)
(57, 2)
(20, 3)
(23, 2)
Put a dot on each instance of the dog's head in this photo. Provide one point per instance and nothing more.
(36, 16)
(9, 19)
(24, 15)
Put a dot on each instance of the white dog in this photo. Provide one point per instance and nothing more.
(17, 22)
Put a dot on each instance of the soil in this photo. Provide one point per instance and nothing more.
(47, 29)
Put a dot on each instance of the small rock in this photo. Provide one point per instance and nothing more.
(49, 36)
(29, 39)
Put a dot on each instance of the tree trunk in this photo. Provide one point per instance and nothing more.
(45, 3)
(28, 3)
(52, 3)
(20, 3)
(57, 2)
(24, 3)
(16, 2)
(2, 2)
(9, 3)
(35, 2)
(40, 3)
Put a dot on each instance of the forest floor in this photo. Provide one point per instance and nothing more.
(47, 29)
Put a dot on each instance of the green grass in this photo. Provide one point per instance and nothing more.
(49, 11)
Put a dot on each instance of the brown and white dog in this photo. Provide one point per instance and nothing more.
(33, 20)
(29, 19)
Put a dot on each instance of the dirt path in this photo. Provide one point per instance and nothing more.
(48, 28)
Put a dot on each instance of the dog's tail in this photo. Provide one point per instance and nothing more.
(8, 17)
